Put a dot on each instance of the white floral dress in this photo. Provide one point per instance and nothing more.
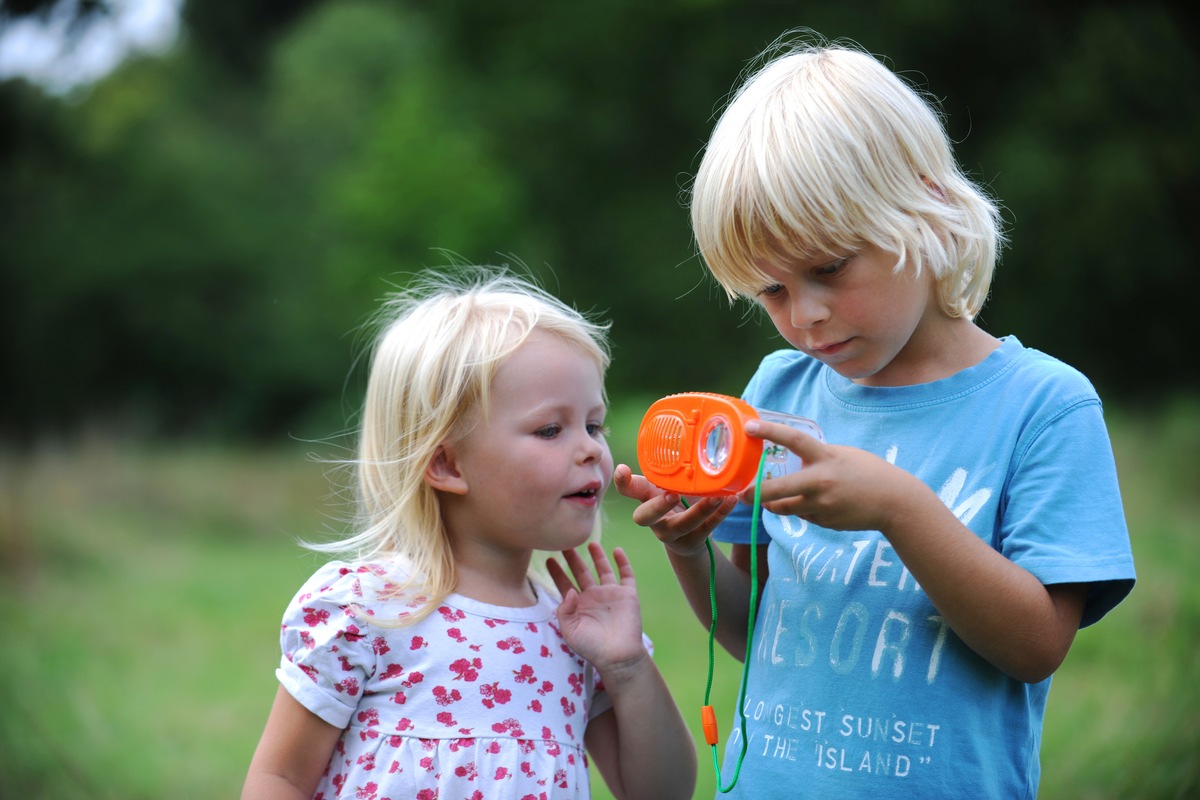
(474, 701)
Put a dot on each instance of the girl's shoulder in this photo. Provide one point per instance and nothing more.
(362, 584)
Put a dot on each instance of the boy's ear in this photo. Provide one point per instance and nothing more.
(443, 473)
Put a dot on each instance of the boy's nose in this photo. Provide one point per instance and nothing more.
(807, 311)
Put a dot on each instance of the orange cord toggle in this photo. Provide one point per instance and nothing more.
(708, 720)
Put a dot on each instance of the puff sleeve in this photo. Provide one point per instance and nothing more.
(326, 658)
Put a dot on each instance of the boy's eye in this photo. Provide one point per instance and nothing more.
(832, 268)
(774, 290)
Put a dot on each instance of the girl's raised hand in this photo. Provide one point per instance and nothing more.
(682, 530)
(601, 618)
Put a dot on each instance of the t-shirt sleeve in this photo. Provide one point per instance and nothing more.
(1062, 518)
(326, 656)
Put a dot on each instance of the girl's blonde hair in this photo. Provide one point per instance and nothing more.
(824, 150)
(441, 341)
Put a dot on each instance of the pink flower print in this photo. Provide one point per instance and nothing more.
(451, 614)
(367, 761)
(395, 767)
(353, 634)
(527, 769)
(531, 627)
(399, 698)
(493, 694)
(547, 688)
(468, 771)
(466, 670)
(445, 698)
(380, 646)
(349, 686)
(493, 748)
(552, 746)
(427, 765)
(405, 724)
(512, 643)
(427, 794)
(413, 679)
(570, 733)
(370, 718)
(310, 671)
(545, 651)
(560, 778)
(535, 706)
(366, 792)
(456, 635)
(509, 726)
(314, 617)
(568, 707)
(525, 674)
(476, 795)
(392, 671)
(307, 640)
(459, 744)
(345, 662)
(417, 643)
(447, 719)
(526, 746)
(501, 774)
(576, 681)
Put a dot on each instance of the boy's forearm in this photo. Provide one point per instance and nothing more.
(998, 608)
(733, 592)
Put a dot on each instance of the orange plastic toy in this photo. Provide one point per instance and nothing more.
(696, 444)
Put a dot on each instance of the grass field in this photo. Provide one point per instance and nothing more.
(141, 588)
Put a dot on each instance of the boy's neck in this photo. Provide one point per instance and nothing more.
(940, 350)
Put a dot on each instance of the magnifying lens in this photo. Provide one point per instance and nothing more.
(695, 443)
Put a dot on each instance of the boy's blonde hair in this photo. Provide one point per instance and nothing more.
(824, 150)
(441, 341)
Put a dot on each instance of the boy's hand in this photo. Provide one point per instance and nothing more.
(683, 531)
(840, 488)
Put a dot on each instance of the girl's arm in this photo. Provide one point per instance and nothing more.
(998, 608)
(642, 746)
(292, 754)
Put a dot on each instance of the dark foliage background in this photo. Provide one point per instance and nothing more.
(189, 246)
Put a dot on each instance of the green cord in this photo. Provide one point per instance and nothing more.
(712, 628)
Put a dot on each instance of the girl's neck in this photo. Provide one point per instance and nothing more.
(497, 581)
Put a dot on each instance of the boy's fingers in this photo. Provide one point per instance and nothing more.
(799, 443)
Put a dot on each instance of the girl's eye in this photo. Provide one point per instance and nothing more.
(597, 429)
(774, 290)
(548, 431)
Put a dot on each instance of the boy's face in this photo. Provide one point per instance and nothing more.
(855, 313)
(535, 469)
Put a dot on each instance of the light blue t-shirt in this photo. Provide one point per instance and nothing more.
(856, 686)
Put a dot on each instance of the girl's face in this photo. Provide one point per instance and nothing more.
(536, 468)
(856, 314)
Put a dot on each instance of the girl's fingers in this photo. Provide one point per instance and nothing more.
(579, 569)
(624, 566)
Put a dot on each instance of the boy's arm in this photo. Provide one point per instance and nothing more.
(642, 746)
(998, 608)
(683, 533)
(292, 754)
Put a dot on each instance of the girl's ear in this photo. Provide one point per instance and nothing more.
(443, 473)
